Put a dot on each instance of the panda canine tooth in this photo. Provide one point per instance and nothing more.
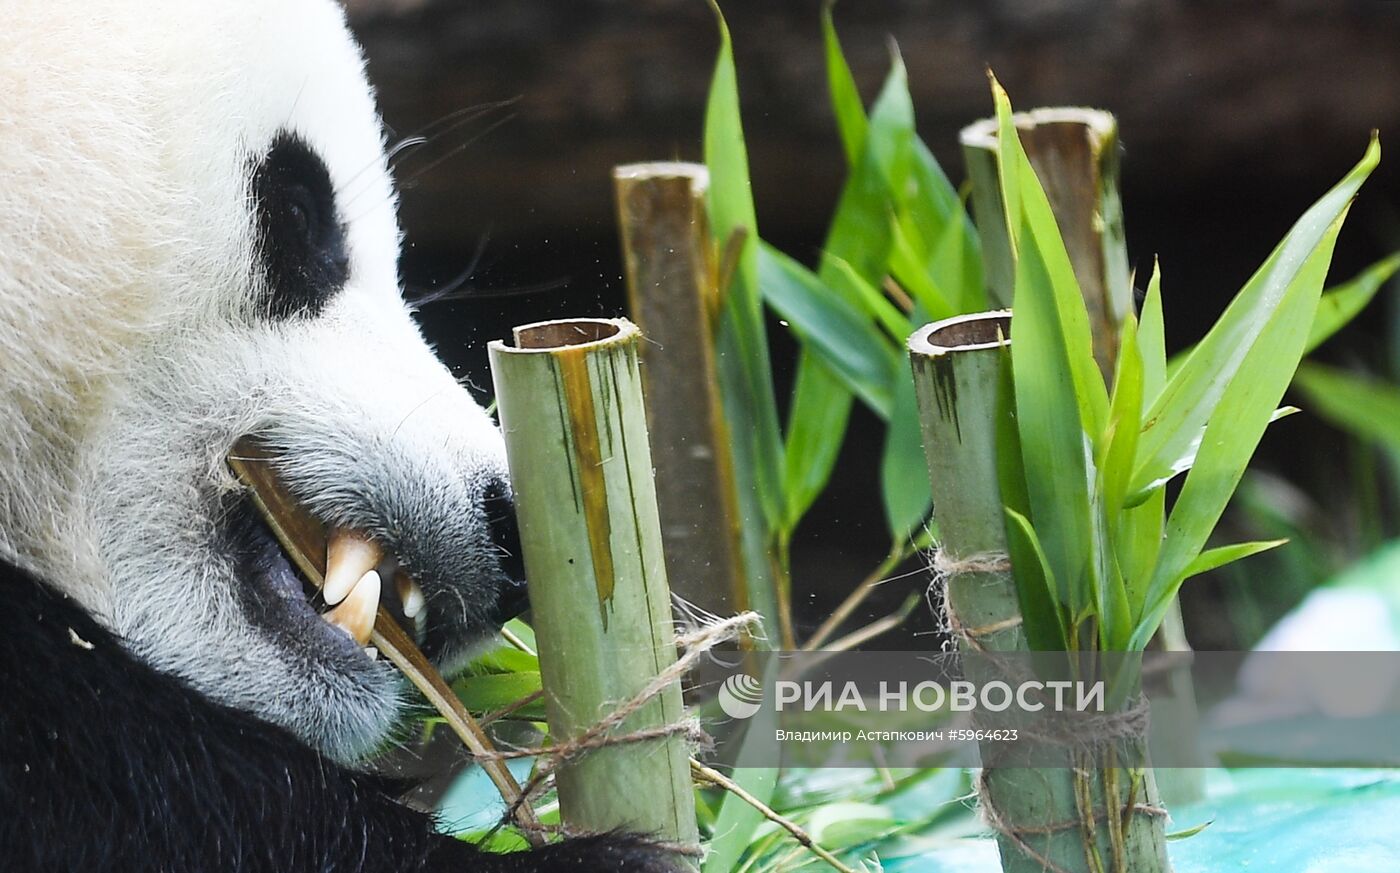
(410, 595)
(355, 614)
(349, 556)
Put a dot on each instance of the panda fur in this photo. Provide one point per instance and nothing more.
(198, 242)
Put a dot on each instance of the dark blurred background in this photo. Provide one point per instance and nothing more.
(1235, 117)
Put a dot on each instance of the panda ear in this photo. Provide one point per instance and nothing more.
(300, 237)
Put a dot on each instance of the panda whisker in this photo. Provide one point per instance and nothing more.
(424, 296)
(454, 120)
(474, 293)
(411, 180)
(428, 133)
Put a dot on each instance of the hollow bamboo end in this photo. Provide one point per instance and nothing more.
(698, 174)
(1101, 124)
(963, 333)
(549, 337)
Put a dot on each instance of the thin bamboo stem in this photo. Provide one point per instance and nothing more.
(570, 395)
(897, 554)
(711, 775)
(860, 636)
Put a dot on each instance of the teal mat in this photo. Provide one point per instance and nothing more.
(1274, 820)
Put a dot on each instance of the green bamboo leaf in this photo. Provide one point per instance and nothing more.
(1119, 448)
(1188, 460)
(844, 278)
(1195, 390)
(1341, 304)
(848, 343)
(1212, 559)
(845, 98)
(1152, 341)
(505, 659)
(1037, 220)
(1053, 439)
(493, 691)
(935, 242)
(903, 472)
(935, 202)
(860, 235)
(1035, 586)
(1060, 396)
(741, 343)
(1245, 407)
(1115, 468)
(1138, 547)
(909, 270)
(1337, 307)
(1186, 833)
(1040, 618)
(821, 406)
(860, 231)
(1364, 406)
(956, 261)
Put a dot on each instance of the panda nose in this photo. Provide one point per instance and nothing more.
(499, 509)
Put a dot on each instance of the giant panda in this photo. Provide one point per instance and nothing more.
(198, 244)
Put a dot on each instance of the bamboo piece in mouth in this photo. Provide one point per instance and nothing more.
(303, 538)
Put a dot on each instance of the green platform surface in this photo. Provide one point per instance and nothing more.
(1275, 820)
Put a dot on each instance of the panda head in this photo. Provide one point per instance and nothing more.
(215, 258)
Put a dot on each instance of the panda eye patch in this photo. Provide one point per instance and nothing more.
(300, 238)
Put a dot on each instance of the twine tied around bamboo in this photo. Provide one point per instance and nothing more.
(944, 568)
(693, 645)
(1083, 737)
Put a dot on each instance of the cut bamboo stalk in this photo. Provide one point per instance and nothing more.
(1075, 153)
(1034, 811)
(673, 294)
(570, 401)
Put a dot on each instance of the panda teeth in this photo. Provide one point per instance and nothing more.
(355, 613)
(410, 595)
(349, 556)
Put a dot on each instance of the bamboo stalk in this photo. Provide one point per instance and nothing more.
(673, 294)
(570, 401)
(1045, 818)
(1075, 153)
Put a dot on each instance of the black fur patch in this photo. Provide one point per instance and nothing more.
(107, 766)
(301, 241)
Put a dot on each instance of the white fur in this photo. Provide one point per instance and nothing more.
(132, 355)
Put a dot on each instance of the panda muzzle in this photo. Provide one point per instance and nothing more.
(347, 566)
